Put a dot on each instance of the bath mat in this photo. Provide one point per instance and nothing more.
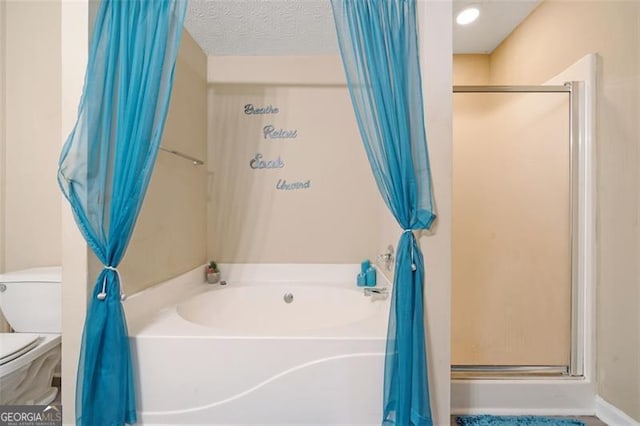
(486, 420)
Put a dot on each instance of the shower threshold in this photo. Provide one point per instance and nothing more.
(463, 372)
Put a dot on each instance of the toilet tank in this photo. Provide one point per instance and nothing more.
(31, 299)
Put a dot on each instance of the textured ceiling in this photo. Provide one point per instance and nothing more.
(262, 27)
(305, 27)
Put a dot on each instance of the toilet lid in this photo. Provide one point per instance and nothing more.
(13, 345)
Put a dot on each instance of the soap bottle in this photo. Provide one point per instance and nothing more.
(365, 265)
(370, 278)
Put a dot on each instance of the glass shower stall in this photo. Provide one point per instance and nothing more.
(516, 292)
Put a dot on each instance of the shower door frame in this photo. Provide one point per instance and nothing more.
(578, 308)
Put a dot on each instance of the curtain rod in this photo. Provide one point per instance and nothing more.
(193, 160)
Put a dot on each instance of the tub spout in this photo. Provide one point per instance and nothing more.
(375, 291)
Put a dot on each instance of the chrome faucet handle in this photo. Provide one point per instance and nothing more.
(386, 259)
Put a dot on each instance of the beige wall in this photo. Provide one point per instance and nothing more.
(471, 70)
(334, 220)
(4, 326)
(3, 38)
(556, 35)
(76, 281)
(32, 231)
(435, 60)
(170, 236)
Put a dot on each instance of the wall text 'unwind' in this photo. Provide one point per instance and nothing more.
(282, 185)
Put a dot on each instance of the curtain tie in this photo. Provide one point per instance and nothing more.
(103, 294)
(413, 265)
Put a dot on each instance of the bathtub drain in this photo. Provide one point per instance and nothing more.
(288, 298)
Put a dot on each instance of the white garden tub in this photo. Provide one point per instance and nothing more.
(240, 354)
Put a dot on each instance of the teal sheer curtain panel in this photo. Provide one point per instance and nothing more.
(379, 46)
(104, 171)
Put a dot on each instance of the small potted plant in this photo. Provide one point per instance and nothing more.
(213, 273)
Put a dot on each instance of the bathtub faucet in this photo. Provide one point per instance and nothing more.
(386, 259)
(382, 293)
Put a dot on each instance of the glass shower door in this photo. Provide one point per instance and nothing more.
(512, 230)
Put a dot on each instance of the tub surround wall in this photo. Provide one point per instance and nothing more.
(290, 178)
(553, 37)
(32, 120)
(170, 235)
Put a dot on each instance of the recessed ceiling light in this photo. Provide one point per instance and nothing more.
(468, 15)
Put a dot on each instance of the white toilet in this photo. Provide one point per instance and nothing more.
(31, 301)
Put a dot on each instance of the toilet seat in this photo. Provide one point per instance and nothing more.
(27, 366)
(14, 345)
(29, 358)
(43, 343)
